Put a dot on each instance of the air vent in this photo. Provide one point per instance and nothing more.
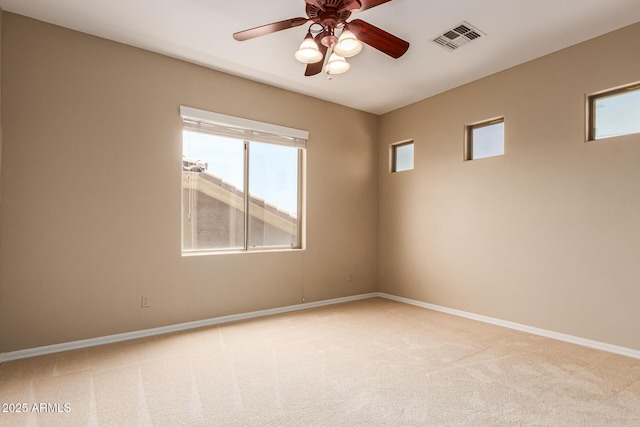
(458, 36)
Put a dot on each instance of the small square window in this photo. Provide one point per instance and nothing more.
(485, 139)
(402, 156)
(614, 113)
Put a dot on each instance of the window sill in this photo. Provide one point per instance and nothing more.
(239, 251)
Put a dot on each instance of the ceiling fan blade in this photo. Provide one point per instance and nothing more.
(378, 39)
(269, 28)
(313, 69)
(354, 5)
(367, 4)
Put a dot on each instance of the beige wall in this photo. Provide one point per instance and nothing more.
(1, 16)
(547, 235)
(91, 187)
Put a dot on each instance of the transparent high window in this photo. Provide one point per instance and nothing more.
(402, 156)
(614, 113)
(485, 139)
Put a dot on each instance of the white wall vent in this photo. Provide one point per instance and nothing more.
(458, 36)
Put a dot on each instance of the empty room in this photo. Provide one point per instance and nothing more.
(319, 213)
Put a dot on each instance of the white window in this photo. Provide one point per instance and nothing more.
(402, 156)
(485, 139)
(242, 184)
(614, 113)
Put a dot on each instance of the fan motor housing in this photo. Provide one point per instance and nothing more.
(329, 15)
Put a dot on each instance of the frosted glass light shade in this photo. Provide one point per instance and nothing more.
(337, 64)
(308, 53)
(348, 45)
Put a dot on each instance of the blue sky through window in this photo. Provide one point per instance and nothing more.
(488, 141)
(273, 169)
(618, 114)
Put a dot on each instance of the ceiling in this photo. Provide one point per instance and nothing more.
(200, 31)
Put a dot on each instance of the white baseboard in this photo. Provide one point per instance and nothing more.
(74, 345)
(624, 351)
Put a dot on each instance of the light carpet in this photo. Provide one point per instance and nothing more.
(373, 362)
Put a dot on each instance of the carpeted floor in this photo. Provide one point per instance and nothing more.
(373, 362)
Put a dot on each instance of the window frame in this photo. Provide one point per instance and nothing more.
(393, 155)
(300, 206)
(591, 111)
(249, 131)
(468, 137)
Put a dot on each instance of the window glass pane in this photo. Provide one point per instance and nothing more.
(273, 191)
(617, 114)
(213, 212)
(403, 157)
(487, 141)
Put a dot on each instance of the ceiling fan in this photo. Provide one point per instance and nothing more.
(329, 17)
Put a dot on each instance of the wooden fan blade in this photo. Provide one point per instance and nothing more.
(368, 4)
(353, 5)
(269, 28)
(313, 69)
(378, 39)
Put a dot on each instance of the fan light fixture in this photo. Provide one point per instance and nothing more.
(337, 64)
(344, 47)
(348, 45)
(308, 53)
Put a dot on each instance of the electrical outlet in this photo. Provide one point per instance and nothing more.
(350, 277)
(144, 302)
